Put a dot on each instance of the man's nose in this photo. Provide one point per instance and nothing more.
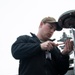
(52, 30)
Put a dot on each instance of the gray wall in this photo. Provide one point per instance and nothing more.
(70, 72)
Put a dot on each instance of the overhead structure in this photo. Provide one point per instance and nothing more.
(67, 19)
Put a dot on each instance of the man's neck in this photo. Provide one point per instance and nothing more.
(40, 38)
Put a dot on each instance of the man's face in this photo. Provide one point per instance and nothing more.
(47, 30)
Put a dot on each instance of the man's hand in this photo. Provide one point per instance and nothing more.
(68, 47)
(48, 45)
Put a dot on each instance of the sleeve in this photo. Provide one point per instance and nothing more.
(21, 48)
(60, 61)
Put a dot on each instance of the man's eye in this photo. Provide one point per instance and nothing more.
(50, 27)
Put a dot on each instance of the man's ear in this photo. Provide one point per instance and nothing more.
(41, 24)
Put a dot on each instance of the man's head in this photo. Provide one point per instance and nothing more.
(47, 27)
(51, 20)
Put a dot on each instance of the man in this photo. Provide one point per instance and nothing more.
(38, 54)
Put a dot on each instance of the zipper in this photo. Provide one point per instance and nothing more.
(45, 64)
